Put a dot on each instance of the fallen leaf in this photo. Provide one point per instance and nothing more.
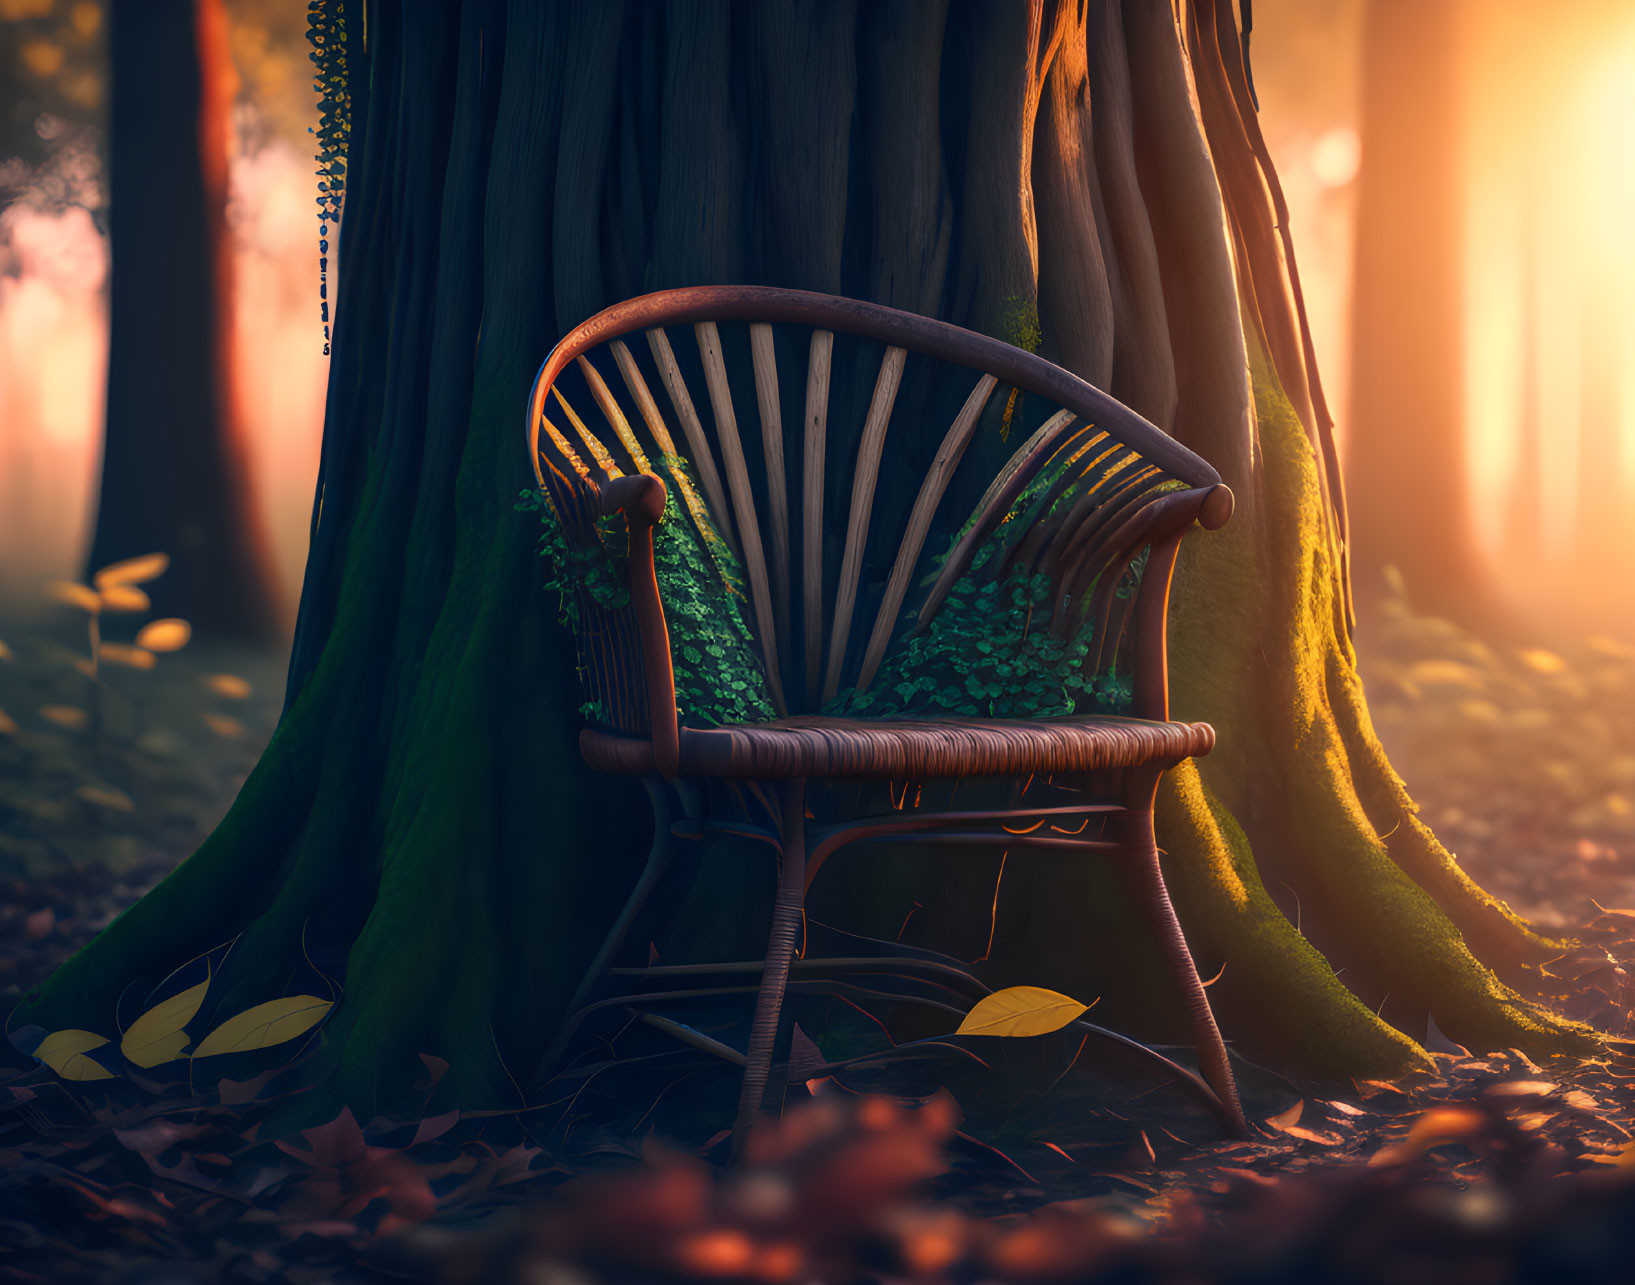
(1434, 1128)
(7, 726)
(169, 634)
(1283, 1119)
(157, 1035)
(1311, 1135)
(1021, 1011)
(69, 716)
(224, 725)
(264, 1025)
(105, 796)
(435, 1127)
(64, 1052)
(1436, 1042)
(1520, 1089)
(38, 926)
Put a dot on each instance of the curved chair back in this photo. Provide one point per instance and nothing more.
(854, 460)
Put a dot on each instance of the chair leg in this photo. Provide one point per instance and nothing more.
(658, 860)
(1146, 880)
(786, 925)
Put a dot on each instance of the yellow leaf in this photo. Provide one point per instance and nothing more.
(125, 654)
(1543, 662)
(124, 597)
(157, 1035)
(65, 716)
(169, 634)
(64, 1052)
(1021, 1010)
(264, 1025)
(106, 797)
(229, 685)
(74, 595)
(150, 566)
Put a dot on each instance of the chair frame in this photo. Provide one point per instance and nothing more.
(679, 812)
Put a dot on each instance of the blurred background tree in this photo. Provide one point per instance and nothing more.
(173, 472)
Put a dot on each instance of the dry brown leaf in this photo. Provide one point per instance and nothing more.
(1311, 1135)
(224, 725)
(1521, 1089)
(140, 570)
(169, 634)
(1283, 1119)
(69, 716)
(7, 726)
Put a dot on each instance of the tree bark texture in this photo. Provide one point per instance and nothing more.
(421, 828)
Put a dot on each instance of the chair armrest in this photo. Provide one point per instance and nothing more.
(641, 498)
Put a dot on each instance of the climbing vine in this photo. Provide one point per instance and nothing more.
(988, 652)
(326, 32)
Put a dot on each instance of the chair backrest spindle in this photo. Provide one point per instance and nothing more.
(816, 425)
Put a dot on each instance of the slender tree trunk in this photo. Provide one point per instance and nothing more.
(422, 831)
(1600, 515)
(173, 469)
(1406, 454)
(1524, 526)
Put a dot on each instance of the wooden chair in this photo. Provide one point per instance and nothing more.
(1091, 502)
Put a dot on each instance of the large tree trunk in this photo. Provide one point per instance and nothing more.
(421, 825)
(1406, 448)
(173, 469)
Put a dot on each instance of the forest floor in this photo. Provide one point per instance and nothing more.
(1493, 1169)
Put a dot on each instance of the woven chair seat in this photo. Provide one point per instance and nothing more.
(815, 747)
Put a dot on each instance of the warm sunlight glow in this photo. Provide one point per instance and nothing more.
(53, 357)
(1550, 289)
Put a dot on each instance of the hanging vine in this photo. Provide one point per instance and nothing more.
(326, 32)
